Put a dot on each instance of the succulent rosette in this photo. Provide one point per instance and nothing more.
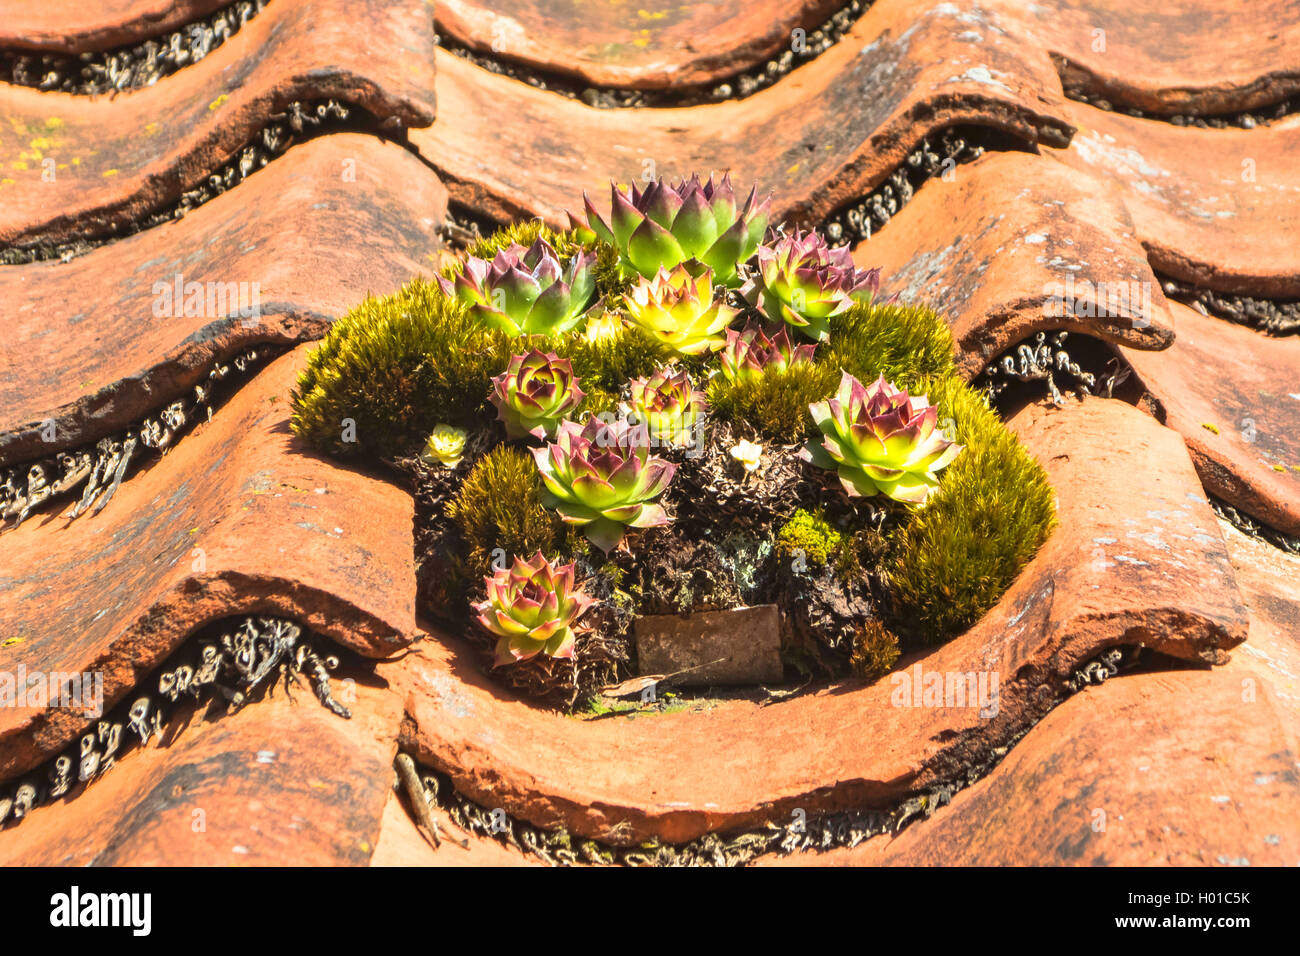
(446, 446)
(667, 405)
(533, 607)
(667, 225)
(534, 393)
(526, 291)
(802, 282)
(679, 309)
(880, 440)
(750, 351)
(601, 477)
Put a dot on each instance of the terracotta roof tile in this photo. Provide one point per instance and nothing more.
(71, 26)
(1172, 56)
(1234, 394)
(650, 44)
(129, 155)
(1005, 236)
(333, 216)
(238, 517)
(1166, 769)
(274, 784)
(826, 134)
(1227, 220)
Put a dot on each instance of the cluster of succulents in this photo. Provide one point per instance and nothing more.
(682, 292)
(686, 248)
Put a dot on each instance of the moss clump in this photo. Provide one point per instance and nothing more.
(993, 510)
(611, 361)
(499, 505)
(523, 234)
(396, 367)
(811, 537)
(904, 343)
(875, 651)
(775, 403)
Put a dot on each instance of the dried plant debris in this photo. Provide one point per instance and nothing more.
(96, 471)
(801, 832)
(937, 155)
(127, 67)
(225, 665)
(1054, 369)
(1077, 87)
(812, 44)
(1275, 316)
(1098, 670)
(298, 122)
(1247, 525)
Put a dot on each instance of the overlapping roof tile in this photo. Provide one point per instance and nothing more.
(1122, 569)
(237, 518)
(826, 134)
(120, 159)
(295, 244)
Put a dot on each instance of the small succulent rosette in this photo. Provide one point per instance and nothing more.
(880, 440)
(679, 309)
(601, 477)
(533, 607)
(666, 225)
(534, 393)
(803, 282)
(750, 351)
(526, 291)
(446, 446)
(668, 406)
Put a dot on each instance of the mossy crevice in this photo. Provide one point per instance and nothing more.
(857, 578)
